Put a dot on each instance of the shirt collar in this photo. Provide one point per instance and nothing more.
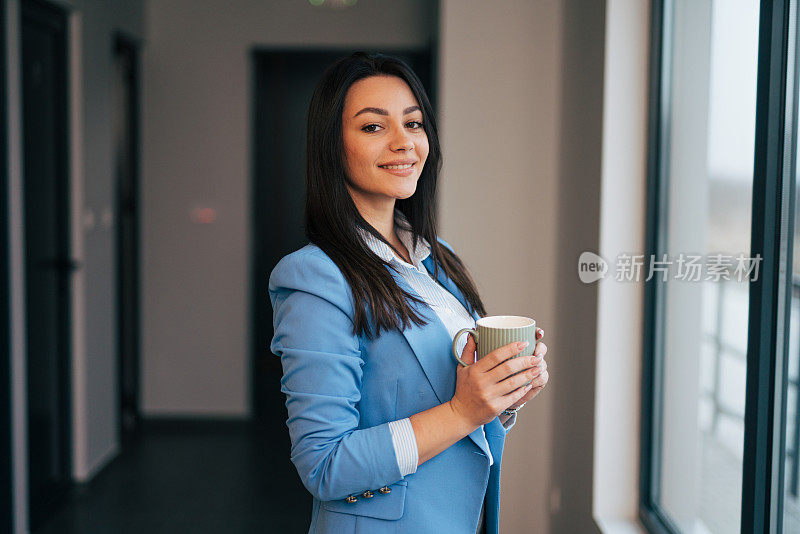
(405, 234)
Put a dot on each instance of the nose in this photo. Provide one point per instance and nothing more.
(402, 141)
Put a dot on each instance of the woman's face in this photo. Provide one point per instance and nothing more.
(382, 125)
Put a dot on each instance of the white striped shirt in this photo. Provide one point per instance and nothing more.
(447, 307)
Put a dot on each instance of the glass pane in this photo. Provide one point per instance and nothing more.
(710, 62)
(790, 396)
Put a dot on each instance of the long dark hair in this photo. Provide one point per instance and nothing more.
(333, 221)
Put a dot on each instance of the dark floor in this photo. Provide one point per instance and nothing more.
(183, 478)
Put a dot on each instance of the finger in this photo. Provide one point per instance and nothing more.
(498, 356)
(538, 377)
(511, 366)
(541, 349)
(539, 333)
(526, 397)
(468, 354)
(520, 379)
(541, 379)
(515, 396)
(530, 394)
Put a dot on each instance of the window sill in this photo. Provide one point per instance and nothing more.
(621, 525)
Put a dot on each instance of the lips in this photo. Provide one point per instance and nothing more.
(400, 166)
(397, 162)
(400, 170)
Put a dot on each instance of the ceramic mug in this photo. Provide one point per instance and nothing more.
(495, 331)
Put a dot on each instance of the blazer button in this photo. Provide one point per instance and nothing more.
(385, 490)
(368, 494)
(351, 499)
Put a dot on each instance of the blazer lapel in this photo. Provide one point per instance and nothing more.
(433, 348)
(448, 284)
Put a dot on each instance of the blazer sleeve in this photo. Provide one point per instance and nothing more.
(322, 372)
(508, 425)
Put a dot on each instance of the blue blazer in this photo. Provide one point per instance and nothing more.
(341, 392)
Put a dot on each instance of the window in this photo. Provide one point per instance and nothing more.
(720, 398)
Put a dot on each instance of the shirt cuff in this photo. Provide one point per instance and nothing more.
(510, 422)
(405, 445)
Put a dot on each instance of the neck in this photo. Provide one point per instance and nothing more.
(379, 215)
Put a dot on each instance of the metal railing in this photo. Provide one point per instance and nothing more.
(718, 407)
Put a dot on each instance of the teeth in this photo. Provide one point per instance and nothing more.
(406, 166)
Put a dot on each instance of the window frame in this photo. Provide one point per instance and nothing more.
(769, 293)
(650, 513)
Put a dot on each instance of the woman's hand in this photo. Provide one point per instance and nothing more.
(485, 388)
(541, 379)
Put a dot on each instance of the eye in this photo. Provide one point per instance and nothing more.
(367, 128)
(418, 125)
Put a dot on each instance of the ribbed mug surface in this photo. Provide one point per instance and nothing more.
(491, 337)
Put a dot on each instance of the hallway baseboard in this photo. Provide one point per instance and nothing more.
(196, 425)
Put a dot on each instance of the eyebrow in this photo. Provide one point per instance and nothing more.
(380, 111)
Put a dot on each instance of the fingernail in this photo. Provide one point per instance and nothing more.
(523, 344)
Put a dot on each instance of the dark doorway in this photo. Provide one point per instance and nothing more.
(48, 265)
(283, 84)
(126, 157)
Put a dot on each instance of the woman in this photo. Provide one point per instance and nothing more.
(388, 433)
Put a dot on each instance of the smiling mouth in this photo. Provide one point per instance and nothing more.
(397, 167)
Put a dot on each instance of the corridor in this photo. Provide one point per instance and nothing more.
(191, 477)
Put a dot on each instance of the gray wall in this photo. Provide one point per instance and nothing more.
(578, 230)
(197, 108)
(94, 377)
(521, 128)
(500, 111)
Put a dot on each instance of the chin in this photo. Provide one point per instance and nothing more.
(405, 193)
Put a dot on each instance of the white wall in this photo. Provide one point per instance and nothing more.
(619, 319)
(94, 377)
(196, 151)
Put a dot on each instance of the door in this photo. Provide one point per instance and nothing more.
(47, 256)
(126, 131)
